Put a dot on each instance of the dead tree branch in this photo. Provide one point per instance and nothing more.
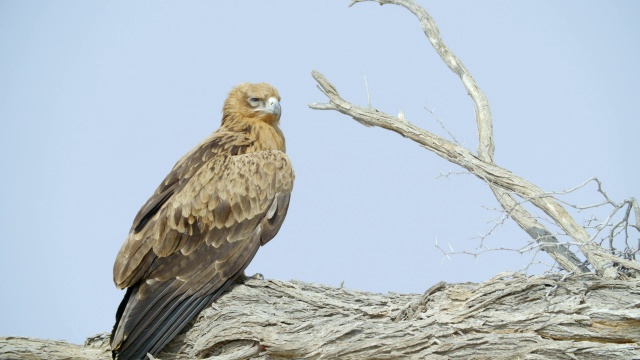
(502, 182)
(510, 316)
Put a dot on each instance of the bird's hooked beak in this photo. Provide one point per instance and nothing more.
(273, 107)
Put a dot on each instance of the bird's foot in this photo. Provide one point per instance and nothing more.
(243, 277)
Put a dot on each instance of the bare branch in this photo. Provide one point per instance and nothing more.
(483, 112)
(501, 181)
(492, 174)
(485, 133)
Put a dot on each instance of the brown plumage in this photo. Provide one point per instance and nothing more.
(203, 225)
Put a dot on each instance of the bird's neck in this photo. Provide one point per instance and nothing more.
(269, 136)
(263, 136)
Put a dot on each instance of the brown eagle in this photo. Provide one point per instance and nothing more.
(200, 229)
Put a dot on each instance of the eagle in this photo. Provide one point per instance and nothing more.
(203, 225)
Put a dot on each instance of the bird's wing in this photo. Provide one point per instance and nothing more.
(192, 244)
(135, 256)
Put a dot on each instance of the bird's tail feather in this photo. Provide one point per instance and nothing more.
(161, 338)
(150, 326)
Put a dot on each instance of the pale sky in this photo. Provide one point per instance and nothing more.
(99, 99)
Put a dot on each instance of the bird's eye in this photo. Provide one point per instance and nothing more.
(254, 101)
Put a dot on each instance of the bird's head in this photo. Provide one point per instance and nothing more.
(252, 102)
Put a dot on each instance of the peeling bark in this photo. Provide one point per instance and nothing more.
(507, 317)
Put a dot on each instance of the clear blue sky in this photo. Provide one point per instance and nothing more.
(99, 99)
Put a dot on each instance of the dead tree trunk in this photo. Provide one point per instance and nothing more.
(508, 317)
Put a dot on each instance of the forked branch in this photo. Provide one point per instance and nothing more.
(502, 182)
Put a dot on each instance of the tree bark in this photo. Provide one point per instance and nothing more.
(507, 317)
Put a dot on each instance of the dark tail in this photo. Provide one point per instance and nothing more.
(121, 307)
(147, 320)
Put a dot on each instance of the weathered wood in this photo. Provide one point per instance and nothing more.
(23, 348)
(503, 183)
(507, 317)
(491, 173)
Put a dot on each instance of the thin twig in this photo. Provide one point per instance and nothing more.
(366, 84)
(439, 121)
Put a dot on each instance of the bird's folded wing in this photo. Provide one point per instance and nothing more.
(225, 200)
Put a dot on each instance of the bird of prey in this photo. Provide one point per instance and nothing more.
(202, 226)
